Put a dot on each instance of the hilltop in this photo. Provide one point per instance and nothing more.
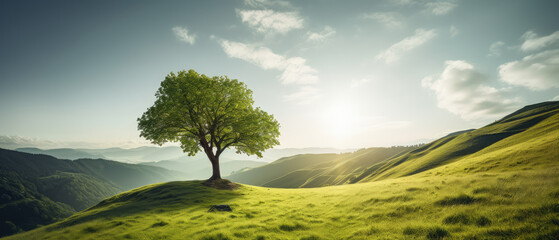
(497, 182)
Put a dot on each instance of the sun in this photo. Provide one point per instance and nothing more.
(340, 119)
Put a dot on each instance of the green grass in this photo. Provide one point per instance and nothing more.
(496, 145)
(521, 140)
(317, 170)
(514, 205)
(508, 188)
(37, 190)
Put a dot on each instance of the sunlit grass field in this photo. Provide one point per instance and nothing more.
(506, 190)
(462, 206)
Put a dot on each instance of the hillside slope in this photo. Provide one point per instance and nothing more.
(316, 170)
(39, 189)
(511, 205)
(503, 139)
(507, 141)
(264, 174)
(487, 187)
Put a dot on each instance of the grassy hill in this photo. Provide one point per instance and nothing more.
(39, 189)
(504, 138)
(496, 182)
(316, 170)
(496, 205)
(527, 135)
(281, 167)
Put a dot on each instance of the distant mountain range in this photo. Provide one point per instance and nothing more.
(200, 168)
(173, 158)
(132, 155)
(150, 154)
(37, 189)
(62, 153)
(39, 186)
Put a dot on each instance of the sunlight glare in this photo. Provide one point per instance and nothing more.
(340, 119)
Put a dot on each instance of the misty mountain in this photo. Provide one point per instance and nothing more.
(37, 189)
(200, 168)
(139, 154)
(173, 158)
(173, 153)
(62, 153)
(155, 154)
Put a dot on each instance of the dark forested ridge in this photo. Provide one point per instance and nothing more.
(38, 189)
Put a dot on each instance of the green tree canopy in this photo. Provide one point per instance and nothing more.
(209, 114)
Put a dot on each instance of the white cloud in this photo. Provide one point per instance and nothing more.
(402, 2)
(269, 21)
(462, 90)
(440, 7)
(261, 56)
(320, 36)
(305, 95)
(267, 3)
(532, 42)
(436, 7)
(537, 72)
(556, 98)
(395, 51)
(453, 31)
(495, 49)
(13, 142)
(357, 83)
(182, 34)
(389, 19)
(295, 70)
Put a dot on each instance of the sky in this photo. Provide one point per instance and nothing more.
(343, 74)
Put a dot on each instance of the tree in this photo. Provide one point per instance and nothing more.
(209, 114)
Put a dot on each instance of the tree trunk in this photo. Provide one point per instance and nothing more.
(214, 159)
(215, 169)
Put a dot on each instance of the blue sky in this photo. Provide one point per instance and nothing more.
(345, 74)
